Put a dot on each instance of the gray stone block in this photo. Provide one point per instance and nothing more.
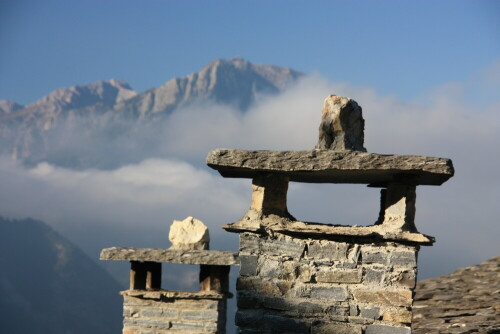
(248, 265)
(339, 276)
(285, 325)
(336, 293)
(249, 243)
(353, 310)
(249, 331)
(405, 278)
(369, 312)
(328, 250)
(292, 306)
(282, 247)
(373, 276)
(147, 323)
(248, 318)
(329, 328)
(159, 313)
(187, 325)
(301, 290)
(276, 303)
(269, 268)
(404, 259)
(247, 301)
(198, 315)
(308, 308)
(373, 256)
(338, 311)
(383, 329)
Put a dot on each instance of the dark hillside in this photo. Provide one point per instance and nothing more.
(48, 285)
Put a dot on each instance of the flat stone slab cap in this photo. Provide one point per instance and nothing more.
(326, 166)
(159, 294)
(209, 257)
(322, 231)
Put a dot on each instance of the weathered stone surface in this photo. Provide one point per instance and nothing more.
(326, 166)
(197, 315)
(404, 258)
(384, 297)
(383, 329)
(339, 276)
(189, 233)
(288, 227)
(402, 316)
(329, 328)
(406, 278)
(248, 265)
(269, 268)
(212, 257)
(466, 301)
(187, 325)
(269, 192)
(284, 324)
(328, 250)
(337, 293)
(260, 286)
(159, 312)
(159, 294)
(296, 271)
(147, 323)
(397, 210)
(342, 125)
(374, 256)
(370, 312)
(249, 318)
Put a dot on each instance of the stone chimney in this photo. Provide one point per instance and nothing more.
(148, 308)
(302, 277)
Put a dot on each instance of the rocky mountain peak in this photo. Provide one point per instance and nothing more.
(235, 82)
(107, 93)
(7, 107)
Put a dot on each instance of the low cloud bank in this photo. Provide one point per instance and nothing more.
(134, 204)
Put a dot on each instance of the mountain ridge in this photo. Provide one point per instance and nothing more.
(203, 84)
(48, 285)
(42, 130)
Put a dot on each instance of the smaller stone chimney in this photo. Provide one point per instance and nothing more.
(148, 308)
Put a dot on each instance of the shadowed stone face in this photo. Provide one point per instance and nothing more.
(342, 125)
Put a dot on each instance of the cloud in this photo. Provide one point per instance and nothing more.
(134, 203)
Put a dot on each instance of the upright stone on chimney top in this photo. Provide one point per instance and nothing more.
(342, 125)
(189, 233)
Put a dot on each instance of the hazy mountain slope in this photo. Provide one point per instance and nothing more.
(70, 125)
(48, 285)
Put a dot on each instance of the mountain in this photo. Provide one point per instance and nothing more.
(48, 285)
(57, 127)
(7, 107)
(234, 82)
(466, 301)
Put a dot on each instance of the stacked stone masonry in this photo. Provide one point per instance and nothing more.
(294, 285)
(174, 314)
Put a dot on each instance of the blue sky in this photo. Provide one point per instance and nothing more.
(396, 47)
